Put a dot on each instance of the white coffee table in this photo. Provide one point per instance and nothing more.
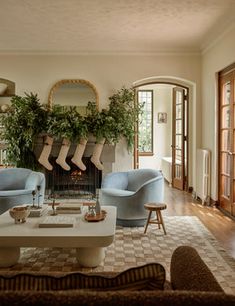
(89, 238)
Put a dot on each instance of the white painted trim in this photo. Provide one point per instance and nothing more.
(169, 52)
(193, 111)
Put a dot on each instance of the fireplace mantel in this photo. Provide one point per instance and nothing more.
(107, 156)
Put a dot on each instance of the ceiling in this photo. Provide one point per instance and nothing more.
(111, 26)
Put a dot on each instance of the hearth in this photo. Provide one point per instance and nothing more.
(74, 183)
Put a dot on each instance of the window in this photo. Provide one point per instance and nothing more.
(145, 97)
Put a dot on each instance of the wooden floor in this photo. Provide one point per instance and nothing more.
(222, 227)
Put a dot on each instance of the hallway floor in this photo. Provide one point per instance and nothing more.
(222, 227)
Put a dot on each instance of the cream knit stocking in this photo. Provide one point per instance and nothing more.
(95, 158)
(77, 157)
(47, 146)
(61, 159)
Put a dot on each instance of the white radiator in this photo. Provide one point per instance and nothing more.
(203, 175)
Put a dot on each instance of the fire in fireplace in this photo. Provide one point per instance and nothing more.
(74, 183)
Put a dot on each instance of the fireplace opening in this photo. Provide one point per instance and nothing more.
(74, 183)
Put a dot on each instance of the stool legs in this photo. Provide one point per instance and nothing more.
(147, 223)
(159, 220)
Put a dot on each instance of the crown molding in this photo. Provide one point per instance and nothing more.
(167, 52)
(215, 39)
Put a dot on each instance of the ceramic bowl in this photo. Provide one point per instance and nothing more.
(3, 88)
(20, 213)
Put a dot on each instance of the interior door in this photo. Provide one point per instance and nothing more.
(179, 138)
(227, 143)
(136, 141)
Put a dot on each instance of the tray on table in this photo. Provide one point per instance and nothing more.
(97, 217)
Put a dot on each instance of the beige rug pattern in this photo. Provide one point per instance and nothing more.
(134, 248)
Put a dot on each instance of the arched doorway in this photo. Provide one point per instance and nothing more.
(190, 88)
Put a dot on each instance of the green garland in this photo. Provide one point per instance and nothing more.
(22, 124)
(27, 118)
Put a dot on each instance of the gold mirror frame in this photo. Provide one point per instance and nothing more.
(71, 81)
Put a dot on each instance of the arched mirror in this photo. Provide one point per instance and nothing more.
(73, 93)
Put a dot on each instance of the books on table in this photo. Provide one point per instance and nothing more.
(38, 212)
(57, 221)
(69, 208)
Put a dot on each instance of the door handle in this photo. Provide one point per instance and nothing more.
(231, 153)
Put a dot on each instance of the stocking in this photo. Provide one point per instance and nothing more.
(77, 157)
(95, 158)
(61, 159)
(47, 146)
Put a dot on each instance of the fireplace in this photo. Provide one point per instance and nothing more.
(74, 183)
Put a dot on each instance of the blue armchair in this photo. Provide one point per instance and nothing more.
(129, 191)
(16, 186)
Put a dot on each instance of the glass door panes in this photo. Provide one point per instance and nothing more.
(145, 137)
(227, 142)
(178, 138)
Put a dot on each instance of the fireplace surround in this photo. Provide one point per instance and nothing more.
(75, 183)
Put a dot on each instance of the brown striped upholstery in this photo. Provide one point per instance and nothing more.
(146, 277)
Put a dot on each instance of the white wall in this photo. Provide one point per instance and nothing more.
(108, 73)
(162, 132)
(220, 55)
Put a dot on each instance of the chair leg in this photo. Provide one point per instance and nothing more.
(163, 226)
(147, 223)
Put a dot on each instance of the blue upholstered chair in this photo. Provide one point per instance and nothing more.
(16, 186)
(129, 191)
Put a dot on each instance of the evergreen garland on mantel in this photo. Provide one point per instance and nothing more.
(27, 118)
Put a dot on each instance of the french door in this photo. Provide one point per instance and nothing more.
(227, 141)
(179, 138)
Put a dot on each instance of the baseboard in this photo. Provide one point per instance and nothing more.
(190, 189)
(214, 203)
(226, 213)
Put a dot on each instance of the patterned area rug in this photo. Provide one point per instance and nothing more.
(133, 248)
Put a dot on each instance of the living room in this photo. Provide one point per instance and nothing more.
(132, 44)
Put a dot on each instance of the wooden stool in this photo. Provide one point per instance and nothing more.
(159, 220)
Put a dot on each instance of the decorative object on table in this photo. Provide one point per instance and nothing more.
(91, 211)
(69, 208)
(57, 221)
(38, 212)
(39, 195)
(54, 213)
(97, 204)
(34, 194)
(96, 217)
(162, 117)
(20, 213)
(52, 197)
